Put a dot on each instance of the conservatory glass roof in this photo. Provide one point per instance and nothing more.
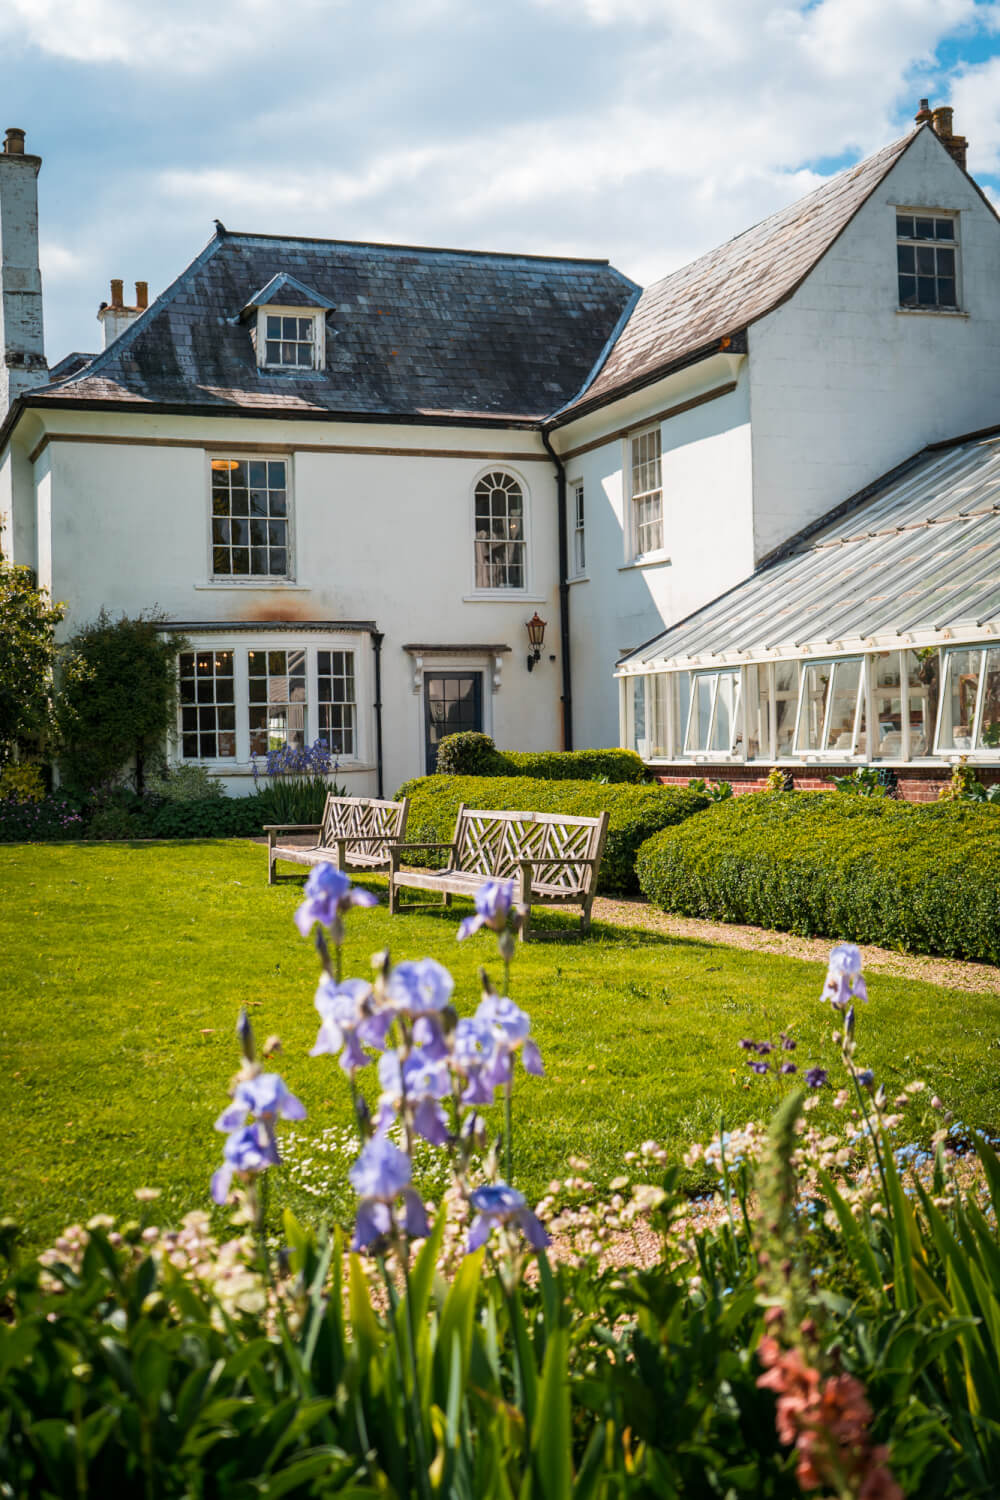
(915, 562)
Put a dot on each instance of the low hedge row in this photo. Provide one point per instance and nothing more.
(905, 876)
(56, 818)
(636, 812)
(474, 754)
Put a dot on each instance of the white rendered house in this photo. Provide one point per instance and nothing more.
(350, 473)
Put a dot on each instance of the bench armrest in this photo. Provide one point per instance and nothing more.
(292, 827)
(355, 838)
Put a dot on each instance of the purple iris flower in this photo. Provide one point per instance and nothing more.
(844, 980)
(348, 1022)
(480, 1058)
(246, 1152)
(747, 1045)
(788, 1043)
(865, 1077)
(789, 1068)
(494, 899)
(328, 892)
(760, 1067)
(419, 988)
(497, 1205)
(816, 1077)
(265, 1096)
(763, 1048)
(425, 1080)
(381, 1173)
(512, 1026)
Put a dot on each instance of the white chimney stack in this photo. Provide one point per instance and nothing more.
(114, 316)
(22, 345)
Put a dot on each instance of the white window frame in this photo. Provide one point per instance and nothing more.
(954, 244)
(279, 310)
(861, 710)
(737, 737)
(974, 751)
(577, 494)
(477, 591)
(636, 497)
(352, 703)
(252, 580)
(241, 643)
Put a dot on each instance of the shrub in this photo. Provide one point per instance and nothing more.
(473, 754)
(211, 818)
(54, 817)
(22, 782)
(185, 783)
(116, 699)
(28, 620)
(922, 878)
(636, 811)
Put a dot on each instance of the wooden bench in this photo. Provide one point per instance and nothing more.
(553, 860)
(356, 834)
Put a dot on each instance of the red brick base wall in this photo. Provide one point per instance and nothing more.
(915, 784)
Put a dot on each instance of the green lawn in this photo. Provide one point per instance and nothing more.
(122, 968)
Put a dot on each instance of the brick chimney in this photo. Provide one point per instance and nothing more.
(22, 346)
(940, 121)
(115, 316)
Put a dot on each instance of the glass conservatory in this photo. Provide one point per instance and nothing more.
(873, 641)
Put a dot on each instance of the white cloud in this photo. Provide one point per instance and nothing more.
(643, 130)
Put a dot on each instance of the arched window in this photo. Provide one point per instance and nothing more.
(500, 559)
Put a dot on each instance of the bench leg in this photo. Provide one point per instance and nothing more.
(446, 898)
(525, 925)
(270, 863)
(393, 897)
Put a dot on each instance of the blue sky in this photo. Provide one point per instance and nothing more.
(644, 131)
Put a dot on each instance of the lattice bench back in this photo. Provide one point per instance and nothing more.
(491, 844)
(363, 818)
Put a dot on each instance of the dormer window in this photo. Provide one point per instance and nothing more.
(289, 342)
(288, 325)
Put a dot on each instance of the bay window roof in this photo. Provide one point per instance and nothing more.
(916, 561)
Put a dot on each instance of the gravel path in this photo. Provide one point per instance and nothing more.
(977, 979)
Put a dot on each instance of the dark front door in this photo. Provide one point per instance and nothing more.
(453, 702)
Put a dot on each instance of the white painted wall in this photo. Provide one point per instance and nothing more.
(377, 536)
(843, 386)
(707, 514)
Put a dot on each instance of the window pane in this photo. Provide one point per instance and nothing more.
(207, 676)
(639, 715)
(906, 258)
(273, 328)
(758, 730)
(924, 229)
(499, 524)
(945, 262)
(907, 291)
(701, 719)
(945, 229)
(989, 730)
(726, 707)
(926, 296)
(682, 703)
(786, 693)
(904, 228)
(958, 708)
(817, 678)
(946, 292)
(657, 713)
(843, 707)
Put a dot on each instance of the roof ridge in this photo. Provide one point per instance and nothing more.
(315, 239)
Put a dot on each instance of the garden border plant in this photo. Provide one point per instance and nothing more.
(916, 877)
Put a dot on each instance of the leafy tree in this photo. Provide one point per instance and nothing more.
(116, 699)
(28, 651)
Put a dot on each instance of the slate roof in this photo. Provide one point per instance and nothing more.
(920, 556)
(721, 293)
(413, 332)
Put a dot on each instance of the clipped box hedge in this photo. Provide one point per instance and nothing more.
(636, 812)
(475, 754)
(873, 870)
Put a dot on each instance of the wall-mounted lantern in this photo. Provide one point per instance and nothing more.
(536, 635)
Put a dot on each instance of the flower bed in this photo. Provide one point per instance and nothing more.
(636, 812)
(917, 878)
(834, 1329)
